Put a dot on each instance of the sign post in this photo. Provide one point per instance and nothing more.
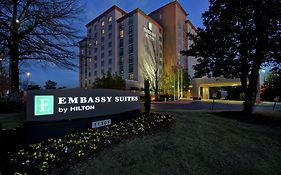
(276, 99)
(214, 95)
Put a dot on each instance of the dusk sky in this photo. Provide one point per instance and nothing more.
(93, 8)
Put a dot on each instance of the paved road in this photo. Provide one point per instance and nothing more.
(207, 105)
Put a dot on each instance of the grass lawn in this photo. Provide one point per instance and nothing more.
(199, 143)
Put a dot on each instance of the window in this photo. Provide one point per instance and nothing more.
(96, 65)
(102, 71)
(102, 63)
(89, 82)
(102, 39)
(110, 61)
(90, 59)
(96, 50)
(95, 73)
(110, 19)
(110, 27)
(131, 28)
(102, 23)
(90, 74)
(131, 58)
(131, 76)
(96, 42)
(95, 27)
(131, 49)
(131, 20)
(131, 67)
(96, 34)
(109, 35)
(103, 31)
(110, 69)
(102, 47)
(131, 39)
(110, 44)
(102, 55)
(121, 33)
(90, 52)
(109, 52)
(89, 31)
(121, 43)
(95, 58)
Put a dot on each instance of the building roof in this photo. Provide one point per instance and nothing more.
(105, 13)
(168, 5)
(137, 10)
(81, 41)
(191, 24)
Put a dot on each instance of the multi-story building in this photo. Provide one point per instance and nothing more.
(125, 43)
(99, 50)
(135, 44)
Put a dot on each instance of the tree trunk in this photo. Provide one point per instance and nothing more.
(156, 87)
(14, 68)
(251, 93)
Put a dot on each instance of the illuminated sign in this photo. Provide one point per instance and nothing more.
(44, 105)
(65, 104)
(149, 34)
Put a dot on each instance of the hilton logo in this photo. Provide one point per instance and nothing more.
(44, 105)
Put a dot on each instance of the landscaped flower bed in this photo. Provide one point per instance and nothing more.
(57, 155)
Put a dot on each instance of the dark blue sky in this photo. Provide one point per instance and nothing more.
(93, 8)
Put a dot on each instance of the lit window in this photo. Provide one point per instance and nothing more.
(102, 31)
(110, 19)
(131, 76)
(122, 34)
(102, 23)
(96, 42)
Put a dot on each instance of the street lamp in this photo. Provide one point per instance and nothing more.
(28, 74)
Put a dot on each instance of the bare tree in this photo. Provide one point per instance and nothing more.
(40, 30)
(153, 64)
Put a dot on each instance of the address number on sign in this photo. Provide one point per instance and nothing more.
(101, 123)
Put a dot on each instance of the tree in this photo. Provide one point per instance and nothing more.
(153, 64)
(110, 81)
(4, 79)
(272, 86)
(33, 87)
(38, 30)
(239, 37)
(50, 84)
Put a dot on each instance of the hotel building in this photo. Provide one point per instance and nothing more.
(118, 41)
(133, 44)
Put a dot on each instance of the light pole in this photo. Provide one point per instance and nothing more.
(28, 74)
